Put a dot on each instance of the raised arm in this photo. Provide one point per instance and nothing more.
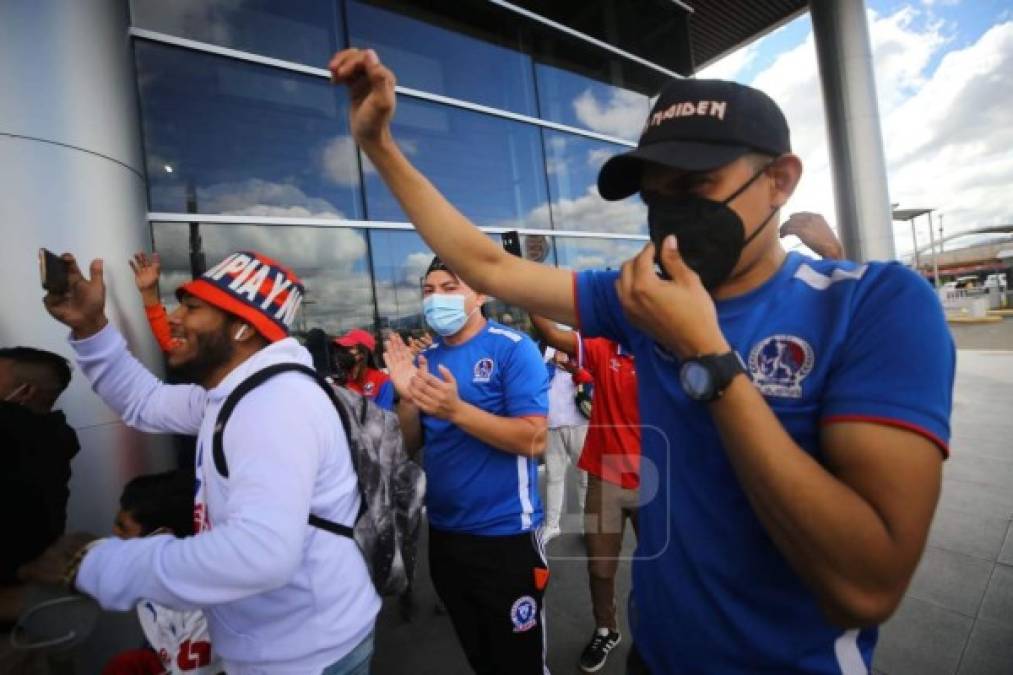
(146, 272)
(138, 397)
(485, 267)
(563, 340)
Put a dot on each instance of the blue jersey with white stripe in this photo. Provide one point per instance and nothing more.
(824, 341)
(472, 487)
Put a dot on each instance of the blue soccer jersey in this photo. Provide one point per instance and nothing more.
(824, 341)
(473, 487)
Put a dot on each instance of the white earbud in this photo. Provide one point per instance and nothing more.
(241, 332)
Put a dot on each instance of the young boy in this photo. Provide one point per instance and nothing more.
(163, 503)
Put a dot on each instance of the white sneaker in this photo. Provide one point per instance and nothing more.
(549, 533)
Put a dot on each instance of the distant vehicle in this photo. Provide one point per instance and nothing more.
(996, 281)
(969, 281)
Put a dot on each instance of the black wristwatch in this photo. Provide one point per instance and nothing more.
(705, 378)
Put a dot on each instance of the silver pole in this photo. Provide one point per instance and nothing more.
(72, 179)
(932, 245)
(914, 241)
(844, 54)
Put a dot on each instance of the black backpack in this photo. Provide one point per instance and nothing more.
(391, 484)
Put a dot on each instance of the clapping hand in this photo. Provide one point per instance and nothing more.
(435, 396)
(400, 364)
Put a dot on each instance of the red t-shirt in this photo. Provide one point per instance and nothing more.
(370, 384)
(612, 446)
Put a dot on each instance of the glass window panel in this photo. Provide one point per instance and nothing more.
(573, 163)
(400, 261)
(331, 261)
(586, 253)
(488, 167)
(446, 62)
(586, 103)
(244, 139)
(304, 31)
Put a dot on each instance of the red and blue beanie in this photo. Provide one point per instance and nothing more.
(254, 288)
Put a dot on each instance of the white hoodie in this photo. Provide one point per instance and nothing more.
(281, 597)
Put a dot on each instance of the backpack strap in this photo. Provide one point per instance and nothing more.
(254, 381)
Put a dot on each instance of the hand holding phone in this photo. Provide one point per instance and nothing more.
(73, 300)
(53, 272)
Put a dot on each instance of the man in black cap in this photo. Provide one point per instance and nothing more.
(795, 412)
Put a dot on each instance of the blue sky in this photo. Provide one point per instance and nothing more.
(944, 74)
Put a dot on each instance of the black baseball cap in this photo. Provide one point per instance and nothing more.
(698, 125)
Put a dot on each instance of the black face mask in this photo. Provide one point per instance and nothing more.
(344, 364)
(710, 235)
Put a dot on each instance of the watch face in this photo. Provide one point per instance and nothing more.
(696, 379)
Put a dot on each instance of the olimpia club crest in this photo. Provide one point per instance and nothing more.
(778, 365)
(483, 370)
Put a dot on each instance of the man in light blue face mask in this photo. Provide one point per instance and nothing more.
(478, 398)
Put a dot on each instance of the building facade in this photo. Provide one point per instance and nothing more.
(246, 144)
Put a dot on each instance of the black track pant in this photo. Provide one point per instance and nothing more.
(493, 588)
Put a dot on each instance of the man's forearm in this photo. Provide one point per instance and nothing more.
(515, 435)
(141, 399)
(465, 249)
(829, 534)
(564, 341)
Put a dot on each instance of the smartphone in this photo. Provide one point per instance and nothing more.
(512, 243)
(53, 272)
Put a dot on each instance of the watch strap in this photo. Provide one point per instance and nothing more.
(723, 368)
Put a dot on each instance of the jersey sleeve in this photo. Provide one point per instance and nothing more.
(525, 381)
(385, 397)
(599, 313)
(897, 363)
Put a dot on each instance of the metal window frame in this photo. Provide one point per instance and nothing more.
(601, 44)
(155, 217)
(292, 66)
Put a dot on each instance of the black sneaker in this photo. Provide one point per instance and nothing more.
(597, 651)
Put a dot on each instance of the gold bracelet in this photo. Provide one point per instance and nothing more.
(70, 576)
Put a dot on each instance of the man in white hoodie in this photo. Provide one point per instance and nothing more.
(281, 596)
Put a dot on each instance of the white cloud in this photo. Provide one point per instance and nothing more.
(338, 292)
(622, 115)
(946, 133)
(340, 163)
(259, 197)
(415, 266)
(598, 156)
(589, 213)
(408, 147)
(731, 65)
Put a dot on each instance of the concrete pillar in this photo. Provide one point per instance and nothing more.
(72, 179)
(844, 54)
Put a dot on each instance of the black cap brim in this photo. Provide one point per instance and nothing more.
(620, 175)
